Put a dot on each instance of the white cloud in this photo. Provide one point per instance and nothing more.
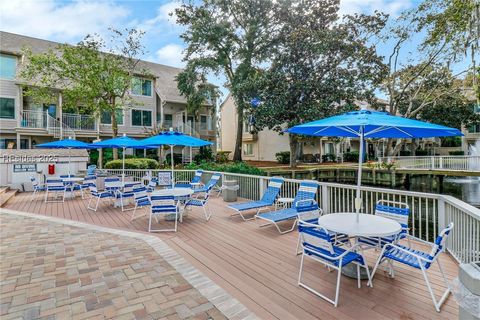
(52, 19)
(165, 15)
(392, 7)
(171, 54)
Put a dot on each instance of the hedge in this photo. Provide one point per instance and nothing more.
(350, 156)
(133, 163)
(232, 167)
(283, 157)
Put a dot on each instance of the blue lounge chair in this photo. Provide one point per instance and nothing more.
(267, 200)
(188, 184)
(317, 244)
(418, 259)
(210, 184)
(304, 206)
(397, 211)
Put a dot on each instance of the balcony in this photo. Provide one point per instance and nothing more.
(79, 122)
(34, 119)
(249, 137)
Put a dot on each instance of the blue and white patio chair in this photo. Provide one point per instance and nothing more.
(210, 184)
(112, 184)
(125, 194)
(152, 184)
(91, 170)
(317, 244)
(418, 259)
(201, 200)
(55, 186)
(267, 200)
(338, 239)
(37, 187)
(99, 195)
(188, 184)
(87, 181)
(397, 211)
(163, 205)
(141, 199)
(304, 207)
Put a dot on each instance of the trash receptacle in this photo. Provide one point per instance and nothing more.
(229, 190)
(466, 290)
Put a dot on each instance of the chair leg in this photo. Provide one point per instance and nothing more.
(377, 264)
(46, 195)
(359, 282)
(337, 290)
(207, 215)
(432, 295)
(298, 246)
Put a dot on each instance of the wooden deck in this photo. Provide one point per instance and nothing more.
(259, 267)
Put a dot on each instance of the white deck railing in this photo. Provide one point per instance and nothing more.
(429, 212)
(34, 119)
(79, 122)
(462, 163)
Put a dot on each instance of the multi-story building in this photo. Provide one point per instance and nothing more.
(23, 124)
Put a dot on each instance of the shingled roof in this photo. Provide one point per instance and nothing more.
(166, 83)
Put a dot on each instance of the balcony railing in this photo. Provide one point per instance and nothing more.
(429, 212)
(457, 163)
(79, 122)
(34, 119)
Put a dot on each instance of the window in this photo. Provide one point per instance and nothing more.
(8, 65)
(248, 149)
(107, 119)
(12, 143)
(168, 120)
(203, 122)
(142, 87)
(141, 118)
(7, 108)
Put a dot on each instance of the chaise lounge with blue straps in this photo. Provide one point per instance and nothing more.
(267, 200)
(303, 207)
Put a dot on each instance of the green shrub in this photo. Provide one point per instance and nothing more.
(222, 156)
(329, 157)
(405, 153)
(233, 167)
(456, 153)
(133, 163)
(350, 156)
(283, 157)
(451, 142)
(421, 152)
(204, 155)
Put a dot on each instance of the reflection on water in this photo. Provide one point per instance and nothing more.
(465, 188)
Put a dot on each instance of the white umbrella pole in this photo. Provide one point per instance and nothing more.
(171, 161)
(358, 198)
(69, 160)
(123, 165)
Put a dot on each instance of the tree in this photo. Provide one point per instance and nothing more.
(227, 37)
(321, 66)
(92, 74)
(419, 87)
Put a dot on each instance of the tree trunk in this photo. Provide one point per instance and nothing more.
(237, 153)
(114, 128)
(293, 140)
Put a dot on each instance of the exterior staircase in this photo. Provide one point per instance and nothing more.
(6, 194)
(58, 129)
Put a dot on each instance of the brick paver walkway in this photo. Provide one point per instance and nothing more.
(56, 271)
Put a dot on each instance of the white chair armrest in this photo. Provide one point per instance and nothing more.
(408, 252)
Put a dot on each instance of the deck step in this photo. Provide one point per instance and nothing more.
(4, 189)
(6, 196)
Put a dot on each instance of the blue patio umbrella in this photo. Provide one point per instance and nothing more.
(371, 124)
(65, 144)
(173, 138)
(123, 143)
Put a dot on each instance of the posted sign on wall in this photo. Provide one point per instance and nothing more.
(165, 178)
(25, 167)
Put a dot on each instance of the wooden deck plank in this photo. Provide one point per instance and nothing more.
(259, 267)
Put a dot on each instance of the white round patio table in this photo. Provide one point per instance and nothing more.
(368, 225)
(71, 181)
(177, 193)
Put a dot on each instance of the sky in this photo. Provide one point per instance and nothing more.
(70, 21)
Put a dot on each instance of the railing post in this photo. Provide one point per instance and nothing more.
(441, 215)
(325, 198)
(440, 162)
(432, 160)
